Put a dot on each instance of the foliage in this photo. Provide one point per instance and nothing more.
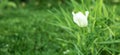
(40, 31)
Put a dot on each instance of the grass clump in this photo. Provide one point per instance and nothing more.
(53, 32)
(100, 37)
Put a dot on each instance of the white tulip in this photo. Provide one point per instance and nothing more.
(80, 19)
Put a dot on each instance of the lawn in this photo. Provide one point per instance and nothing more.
(52, 31)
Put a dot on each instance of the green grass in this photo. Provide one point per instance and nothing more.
(53, 32)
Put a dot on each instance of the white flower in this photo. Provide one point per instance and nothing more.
(80, 19)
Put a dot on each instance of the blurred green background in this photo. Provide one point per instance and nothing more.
(45, 27)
